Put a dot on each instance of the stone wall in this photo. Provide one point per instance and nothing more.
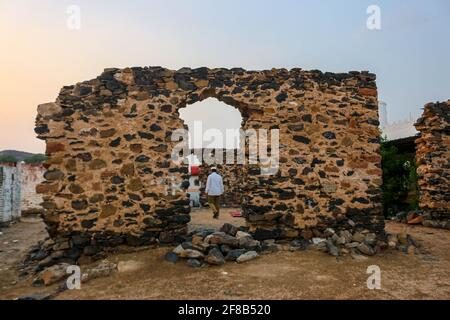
(433, 161)
(109, 172)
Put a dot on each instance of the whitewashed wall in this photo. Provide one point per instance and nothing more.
(10, 198)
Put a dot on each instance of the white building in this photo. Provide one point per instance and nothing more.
(18, 189)
(396, 130)
(10, 198)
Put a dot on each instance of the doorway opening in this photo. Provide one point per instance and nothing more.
(214, 127)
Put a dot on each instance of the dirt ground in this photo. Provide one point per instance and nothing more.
(283, 275)
(203, 218)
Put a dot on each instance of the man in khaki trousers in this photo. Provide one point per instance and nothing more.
(214, 189)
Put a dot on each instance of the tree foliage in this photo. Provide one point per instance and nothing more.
(36, 158)
(399, 180)
(8, 159)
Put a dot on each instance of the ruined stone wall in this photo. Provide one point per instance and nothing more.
(109, 171)
(433, 161)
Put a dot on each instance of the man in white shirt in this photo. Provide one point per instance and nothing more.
(214, 189)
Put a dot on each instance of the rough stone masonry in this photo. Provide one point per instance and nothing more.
(433, 164)
(109, 144)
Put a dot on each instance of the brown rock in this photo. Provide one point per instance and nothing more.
(108, 210)
(371, 92)
(127, 169)
(71, 165)
(53, 175)
(49, 109)
(347, 142)
(201, 83)
(97, 164)
(107, 133)
(135, 184)
(136, 148)
(171, 85)
(47, 188)
(53, 147)
(75, 188)
(54, 274)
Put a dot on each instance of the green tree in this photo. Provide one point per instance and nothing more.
(36, 158)
(8, 159)
(399, 179)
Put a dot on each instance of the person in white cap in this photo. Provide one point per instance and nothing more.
(214, 189)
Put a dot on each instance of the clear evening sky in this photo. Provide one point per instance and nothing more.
(39, 54)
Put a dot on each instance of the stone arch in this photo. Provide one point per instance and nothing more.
(110, 180)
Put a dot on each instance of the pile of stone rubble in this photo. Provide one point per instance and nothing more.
(208, 246)
(230, 244)
(363, 243)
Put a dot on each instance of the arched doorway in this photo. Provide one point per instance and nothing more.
(214, 132)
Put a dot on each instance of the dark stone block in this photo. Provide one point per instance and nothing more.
(79, 204)
(87, 224)
(154, 127)
(171, 257)
(146, 135)
(281, 97)
(265, 234)
(329, 135)
(41, 129)
(117, 180)
(302, 139)
(86, 156)
(142, 159)
(115, 142)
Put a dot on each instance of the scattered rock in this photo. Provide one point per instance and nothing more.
(36, 296)
(215, 257)
(299, 244)
(194, 263)
(229, 229)
(358, 257)
(358, 237)
(234, 254)
(332, 249)
(392, 241)
(250, 255)
(53, 274)
(223, 238)
(191, 254)
(370, 239)
(178, 250)
(242, 234)
(129, 266)
(318, 240)
(171, 257)
(329, 232)
(104, 269)
(366, 249)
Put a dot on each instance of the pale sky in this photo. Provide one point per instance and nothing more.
(39, 54)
